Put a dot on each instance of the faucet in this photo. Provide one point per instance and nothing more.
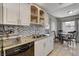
(7, 32)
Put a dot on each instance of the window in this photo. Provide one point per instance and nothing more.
(68, 26)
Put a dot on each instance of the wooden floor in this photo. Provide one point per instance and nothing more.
(63, 50)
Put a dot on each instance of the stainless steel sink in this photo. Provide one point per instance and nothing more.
(38, 36)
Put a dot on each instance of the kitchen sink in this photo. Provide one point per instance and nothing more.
(38, 36)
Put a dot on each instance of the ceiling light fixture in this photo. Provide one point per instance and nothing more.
(70, 12)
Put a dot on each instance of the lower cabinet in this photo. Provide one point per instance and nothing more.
(50, 44)
(43, 47)
(39, 48)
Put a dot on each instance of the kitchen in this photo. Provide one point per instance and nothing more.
(35, 29)
(25, 30)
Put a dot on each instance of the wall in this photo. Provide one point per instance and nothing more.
(53, 24)
(0, 13)
(77, 27)
(59, 24)
(70, 18)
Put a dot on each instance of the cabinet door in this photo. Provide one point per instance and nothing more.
(11, 13)
(49, 45)
(39, 48)
(25, 13)
(43, 47)
(1, 13)
(46, 47)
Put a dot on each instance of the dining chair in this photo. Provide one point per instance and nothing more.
(70, 38)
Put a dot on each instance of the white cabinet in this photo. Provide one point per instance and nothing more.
(39, 48)
(16, 14)
(1, 13)
(46, 21)
(43, 47)
(11, 13)
(50, 44)
(25, 14)
(47, 47)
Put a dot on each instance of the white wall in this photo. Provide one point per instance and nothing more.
(53, 23)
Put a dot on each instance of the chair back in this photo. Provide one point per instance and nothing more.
(73, 35)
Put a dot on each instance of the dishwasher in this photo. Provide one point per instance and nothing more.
(23, 50)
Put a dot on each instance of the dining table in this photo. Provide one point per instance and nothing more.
(64, 37)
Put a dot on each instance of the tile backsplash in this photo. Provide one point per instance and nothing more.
(24, 30)
(29, 30)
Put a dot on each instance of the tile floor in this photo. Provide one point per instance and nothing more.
(63, 50)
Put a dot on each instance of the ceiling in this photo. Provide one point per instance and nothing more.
(60, 10)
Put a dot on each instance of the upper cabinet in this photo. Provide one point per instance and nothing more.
(41, 16)
(25, 14)
(37, 15)
(34, 14)
(11, 13)
(16, 13)
(1, 13)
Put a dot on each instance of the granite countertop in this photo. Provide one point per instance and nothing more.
(24, 40)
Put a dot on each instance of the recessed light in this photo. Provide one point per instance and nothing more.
(60, 3)
(70, 12)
